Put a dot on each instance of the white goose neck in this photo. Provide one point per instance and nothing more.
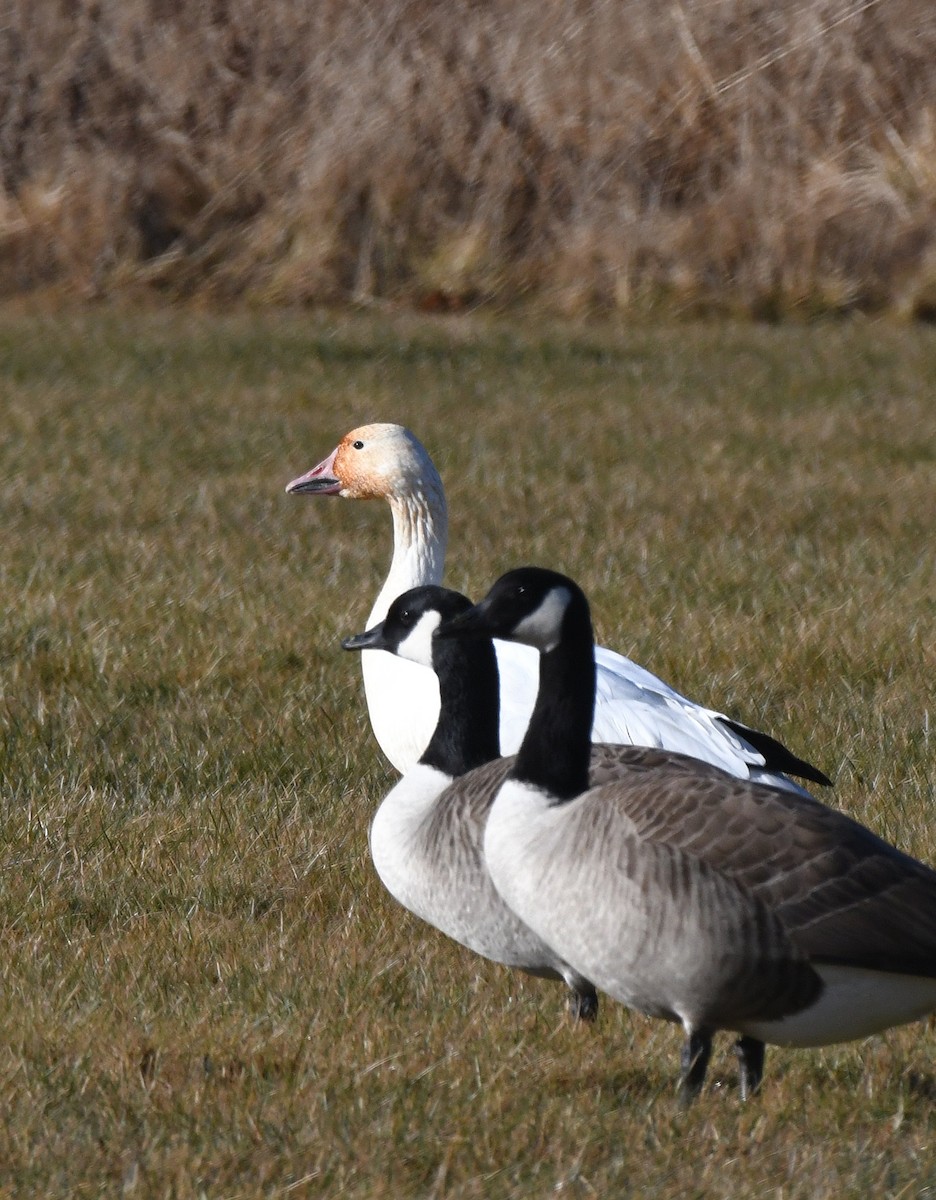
(420, 536)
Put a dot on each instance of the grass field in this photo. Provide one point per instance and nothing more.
(205, 991)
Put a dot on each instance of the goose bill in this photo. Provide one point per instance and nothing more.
(371, 639)
(320, 481)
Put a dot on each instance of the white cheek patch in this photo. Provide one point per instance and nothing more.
(417, 645)
(543, 626)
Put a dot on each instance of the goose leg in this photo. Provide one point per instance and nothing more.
(695, 1058)
(750, 1054)
(583, 1002)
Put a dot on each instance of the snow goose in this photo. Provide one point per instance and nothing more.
(687, 893)
(633, 706)
(425, 838)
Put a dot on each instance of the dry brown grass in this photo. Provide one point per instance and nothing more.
(761, 158)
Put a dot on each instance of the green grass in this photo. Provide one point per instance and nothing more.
(204, 990)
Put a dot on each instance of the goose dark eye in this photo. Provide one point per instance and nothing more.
(358, 445)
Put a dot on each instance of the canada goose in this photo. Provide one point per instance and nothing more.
(425, 838)
(684, 892)
(633, 706)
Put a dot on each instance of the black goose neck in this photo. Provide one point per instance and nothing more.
(467, 734)
(556, 750)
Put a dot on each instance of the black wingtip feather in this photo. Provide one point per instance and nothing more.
(776, 756)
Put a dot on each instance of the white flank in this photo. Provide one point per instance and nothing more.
(854, 1004)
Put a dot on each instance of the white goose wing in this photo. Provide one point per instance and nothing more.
(634, 707)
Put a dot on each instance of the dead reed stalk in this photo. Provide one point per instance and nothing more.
(751, 157)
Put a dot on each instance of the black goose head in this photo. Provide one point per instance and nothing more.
(411, 620)
(548, 611)
(528, 604)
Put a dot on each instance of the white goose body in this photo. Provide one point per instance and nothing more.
(426, 836)
(687, 893)
(632, 706)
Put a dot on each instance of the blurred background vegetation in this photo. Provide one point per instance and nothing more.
(749, 157)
